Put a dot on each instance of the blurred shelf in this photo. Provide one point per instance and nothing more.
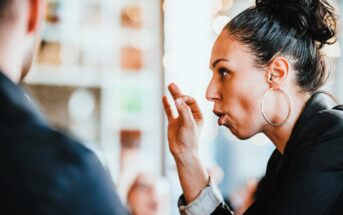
(143, 78)
(81, 76)
(64, 76)
(85, 48)
(52, 32)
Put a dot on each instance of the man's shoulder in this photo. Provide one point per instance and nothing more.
(47, 167)
(42, 140)
(46, 154)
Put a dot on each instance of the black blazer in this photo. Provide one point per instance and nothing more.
(43, 171)
(308, 177)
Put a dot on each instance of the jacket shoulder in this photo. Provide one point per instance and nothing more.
(320, 143)
(324, 124)
(54, 171)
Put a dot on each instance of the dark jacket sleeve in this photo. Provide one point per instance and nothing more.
(222, 209)
(263, 191)
(307, 193)
(93, 192)
(81, 184)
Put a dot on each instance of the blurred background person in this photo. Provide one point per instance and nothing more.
(149, 195)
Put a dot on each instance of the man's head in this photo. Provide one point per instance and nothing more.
(19, 27)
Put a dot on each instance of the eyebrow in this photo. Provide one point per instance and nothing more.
(218, 60)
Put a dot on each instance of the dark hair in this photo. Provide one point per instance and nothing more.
(4, 4)
(294, 28)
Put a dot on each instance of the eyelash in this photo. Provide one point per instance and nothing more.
(223, 72)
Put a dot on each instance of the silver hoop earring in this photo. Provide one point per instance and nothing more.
(289, 107)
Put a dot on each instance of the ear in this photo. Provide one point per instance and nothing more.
(277, 72)
(36, 13)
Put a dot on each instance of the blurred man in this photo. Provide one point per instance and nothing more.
(42, 170)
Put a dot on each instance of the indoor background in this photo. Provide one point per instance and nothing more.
(103, 66)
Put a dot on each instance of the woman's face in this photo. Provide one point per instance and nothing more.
(236, 87)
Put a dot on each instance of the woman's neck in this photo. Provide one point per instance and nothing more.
(280, 135)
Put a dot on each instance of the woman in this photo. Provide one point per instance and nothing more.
(267, 68)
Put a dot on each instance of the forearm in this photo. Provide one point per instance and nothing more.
(192, 175)
(201, 196)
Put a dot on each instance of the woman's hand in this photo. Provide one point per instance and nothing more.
(183, 138)
(183, 130)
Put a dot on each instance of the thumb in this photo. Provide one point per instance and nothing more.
(185, 112)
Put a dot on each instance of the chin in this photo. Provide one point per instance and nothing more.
(26, 68)
(24, 74)
(241, 134)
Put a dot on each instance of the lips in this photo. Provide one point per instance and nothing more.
(221, 120)
(221, 117)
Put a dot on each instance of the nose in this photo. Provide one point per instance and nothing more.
(212, 92)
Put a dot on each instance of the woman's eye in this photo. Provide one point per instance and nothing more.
(223, 72)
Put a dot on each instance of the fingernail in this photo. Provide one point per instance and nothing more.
(179, 101)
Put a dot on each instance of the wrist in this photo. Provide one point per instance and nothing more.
(186, 158)
(193, 177)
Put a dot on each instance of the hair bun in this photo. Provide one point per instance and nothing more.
(314, 18)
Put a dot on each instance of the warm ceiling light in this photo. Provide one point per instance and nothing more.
(227, 4)
(216, 6)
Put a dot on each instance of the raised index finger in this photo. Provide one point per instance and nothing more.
(175, 91)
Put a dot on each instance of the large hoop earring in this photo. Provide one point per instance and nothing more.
(289, 107)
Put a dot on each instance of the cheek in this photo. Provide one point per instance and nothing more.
(248, 108)
(243, 104)
(136, 201)
(243, 98)
(251, 90)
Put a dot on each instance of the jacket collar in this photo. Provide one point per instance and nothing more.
(16, 105)
(314, 105)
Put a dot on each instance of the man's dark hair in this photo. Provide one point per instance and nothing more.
(4, 4)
